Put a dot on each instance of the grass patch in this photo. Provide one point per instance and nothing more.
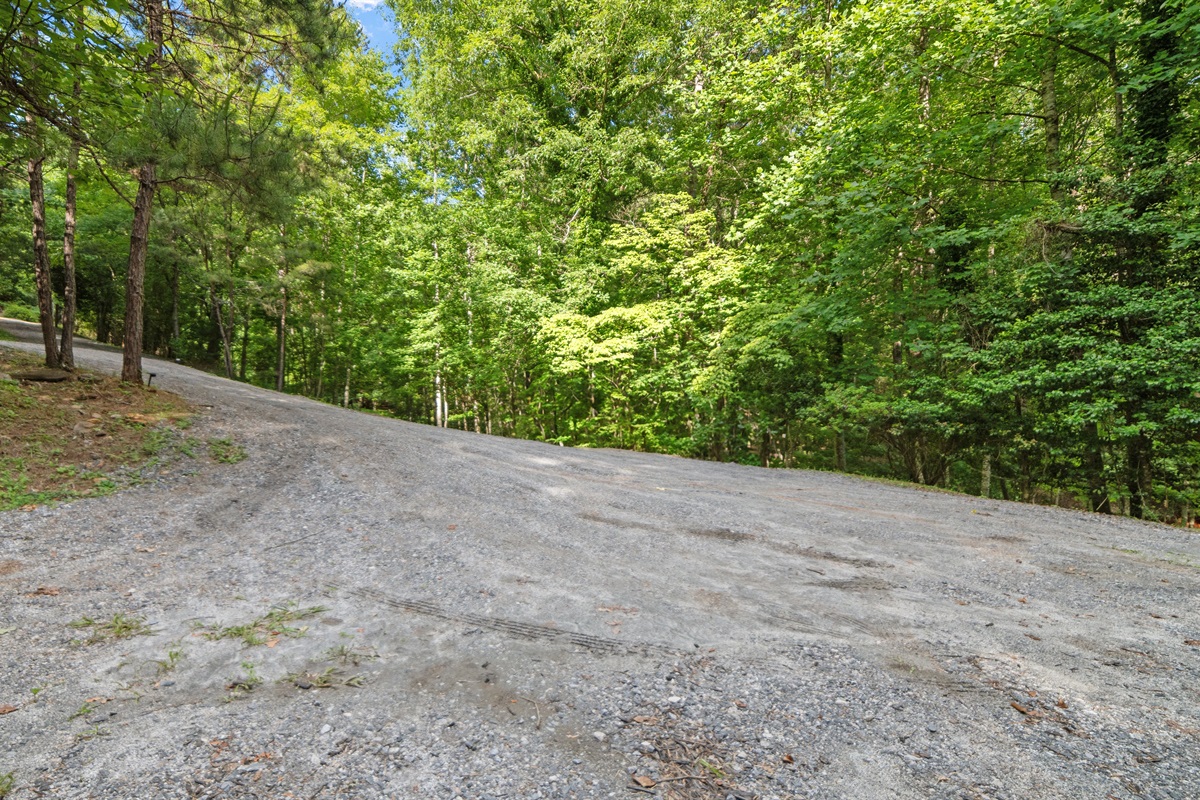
(7, 782)
(226, 451)
(273, 625)
(84, 437)
(121, 626)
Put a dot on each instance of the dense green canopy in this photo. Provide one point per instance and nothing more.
(952, 242)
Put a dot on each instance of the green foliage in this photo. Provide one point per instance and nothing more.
(905, 239)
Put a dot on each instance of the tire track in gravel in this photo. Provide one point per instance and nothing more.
(603, 645)
(738, 537)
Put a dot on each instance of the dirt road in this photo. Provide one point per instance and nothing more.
(502, 618)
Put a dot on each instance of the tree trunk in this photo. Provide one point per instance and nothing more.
(41, 259)
(281, 330)
(245, 344)
(1138, 475)
(281, 338)
(1093, 461)
(985, 480)
(67, 354)
(135, 278)
(171, 349)
(143, 205)
(1052, 123)
(225, 327)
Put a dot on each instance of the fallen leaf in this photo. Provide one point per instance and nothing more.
(643, 720)
(47, 591)
(1019, 707)
(1062, 702)
(643, 781)
(451, 527)
(787, 759)
(7, 709)
(1192, 642)
(740, 703)
(1022, 599)
(6, 630)
(272, 642)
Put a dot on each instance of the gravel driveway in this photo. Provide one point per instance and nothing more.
(369, 608)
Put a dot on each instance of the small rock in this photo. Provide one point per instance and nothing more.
(326, 728)
(599, 736)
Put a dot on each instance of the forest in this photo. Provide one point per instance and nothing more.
(951, 242)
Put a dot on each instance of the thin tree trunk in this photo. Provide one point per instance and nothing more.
(924, 87)
(1052, 122)
(171, 351)
(281, 331)
(1114, 78)
(245, 343)
(224, 326)
(41, 259)
(1093, 461)
(437, 395)
(135, 278)
(985, 481)
(281, 337)
(67, 351)
(139, 236)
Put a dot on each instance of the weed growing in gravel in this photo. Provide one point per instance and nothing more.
(7, 781)
(350, 654)
(273, 624)
(121, 626)
(83, 711)
(330, 677)
(93, 732)
(225, 451)
(173, 657)
(245, 683)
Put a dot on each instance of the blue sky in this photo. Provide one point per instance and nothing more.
(377, 21)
